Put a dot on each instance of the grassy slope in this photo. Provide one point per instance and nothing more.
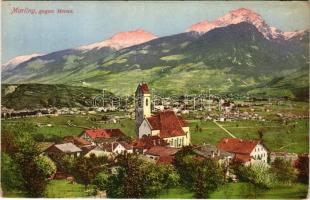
(43, 95)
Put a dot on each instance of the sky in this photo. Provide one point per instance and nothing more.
(95, 21)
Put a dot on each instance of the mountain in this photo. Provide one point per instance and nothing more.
(243, 15)
(36, 96)
(294, 85)
(233, 57)
(71, 61)
(19, 59)
(122, 40)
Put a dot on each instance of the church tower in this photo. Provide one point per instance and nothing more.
(142, 104)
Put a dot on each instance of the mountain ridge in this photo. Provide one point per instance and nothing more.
(232, 58)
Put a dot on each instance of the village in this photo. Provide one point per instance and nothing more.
(161, 129)
(161, 136)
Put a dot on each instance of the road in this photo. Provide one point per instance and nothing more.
(224, 129)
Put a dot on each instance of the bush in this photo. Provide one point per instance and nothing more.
(257, 174)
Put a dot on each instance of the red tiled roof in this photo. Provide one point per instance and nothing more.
(242, 157)
(238, 146)
(104, 133)
(169, 124)
(81, 141)
(77, 140)
(144, 88)
(162, 151)
(165, 160)
(147, 142)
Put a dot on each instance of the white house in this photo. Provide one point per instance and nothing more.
(246, 151)
(122, 147)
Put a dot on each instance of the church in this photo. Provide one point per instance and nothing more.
(165, 124)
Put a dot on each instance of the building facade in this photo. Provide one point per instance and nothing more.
(245, 151)
(164, 124)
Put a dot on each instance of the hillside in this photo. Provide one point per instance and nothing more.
(33, 96)
(236, 53)
(295, 85)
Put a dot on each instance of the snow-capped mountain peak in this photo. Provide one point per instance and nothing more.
(238, 16)
(122, 40)
(19, 59)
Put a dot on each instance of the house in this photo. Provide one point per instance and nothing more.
(122, 147)
(245, 151)
(162, 154)
(97, 136)
(165, 124)
(80, 142)
(111, 149)
(210, 151)
(140, 145)
(66, 148)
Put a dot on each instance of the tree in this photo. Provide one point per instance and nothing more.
(45, 166)
(201, 176)
(86, 169)
(11, 177)
(115, 187)
(101, 180)
(283, 171)
(257, 174)
(208, 177)
(137, 178)
(23, 150)
(184, 166)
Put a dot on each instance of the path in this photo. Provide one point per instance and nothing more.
(224, 129)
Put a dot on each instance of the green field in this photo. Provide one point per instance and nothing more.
(278, 136)
(60, 127)
(64, 189)
(243, 191)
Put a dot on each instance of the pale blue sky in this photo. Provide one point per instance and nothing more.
(96, 21)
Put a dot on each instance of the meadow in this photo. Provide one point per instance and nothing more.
(243, 190)
(277, 136)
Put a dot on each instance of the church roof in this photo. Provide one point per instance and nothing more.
(144, 88)
(169, 124)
